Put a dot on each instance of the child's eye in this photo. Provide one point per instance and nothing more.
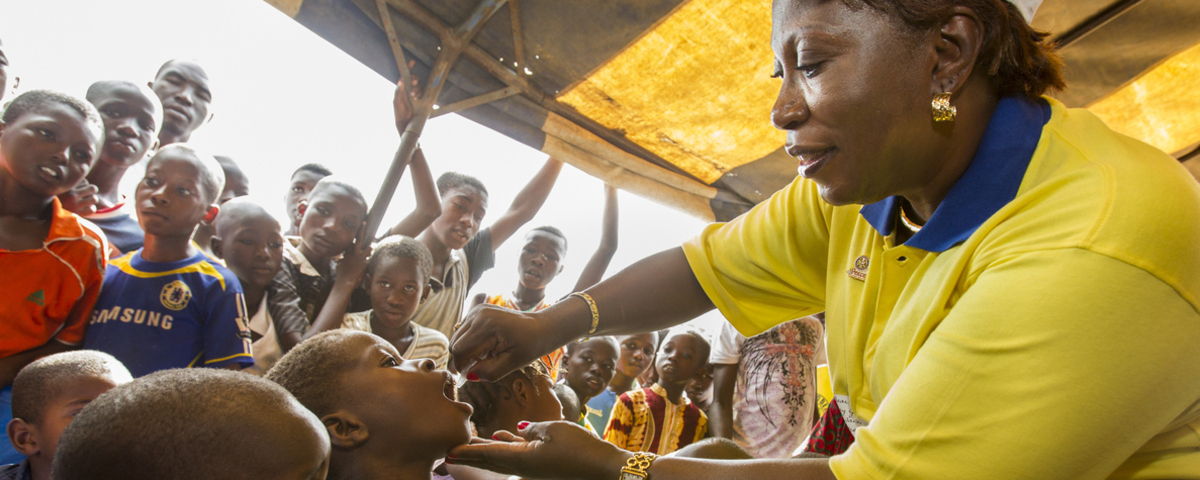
(323, 211)
(297, 189)
(410, 288)
(150, 182)
(185, 192)
(83, 156)
(48, 135)
(246, 242)
(385, 284)
(146, 126)
(275, 245)
(390, 361)
(109, 112)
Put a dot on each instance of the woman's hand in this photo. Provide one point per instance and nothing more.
(544, 450)
(492, 341)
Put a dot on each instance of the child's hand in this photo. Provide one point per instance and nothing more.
(80, 200)
(354, 261)
(543, 450)
(402, 102)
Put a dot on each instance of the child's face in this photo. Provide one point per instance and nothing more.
(253, 250)
(463, 209)
(48, 150)
(637, 351)
(302, 183)
(171, 200)
(539, 262)
(396, 288)
(679, 359)
(331, 221)
(590, 367)
(183, 88)
(407, 403)
(236, 185)
(131, 122)
(60, 411)
(700, 384)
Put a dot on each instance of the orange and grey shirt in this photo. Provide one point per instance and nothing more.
(50, 291)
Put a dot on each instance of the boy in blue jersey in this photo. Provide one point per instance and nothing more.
(167, 305)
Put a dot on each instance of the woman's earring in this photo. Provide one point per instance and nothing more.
(942, 110)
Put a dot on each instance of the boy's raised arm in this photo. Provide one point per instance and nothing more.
(429, 206)
(527, 203)
(593, 272)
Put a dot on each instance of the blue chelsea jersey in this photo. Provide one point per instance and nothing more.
(154, 316)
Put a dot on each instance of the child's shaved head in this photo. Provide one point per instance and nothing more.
(336, 182)
(195, 423)
(106, 87)
(313, 370)
(236, 211)
(42, 381)
(400, 246)
(212, 177)
(38, 100)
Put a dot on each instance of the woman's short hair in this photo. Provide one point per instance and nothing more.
(1015, 56)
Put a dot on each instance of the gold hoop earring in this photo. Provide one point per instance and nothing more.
(942, 110)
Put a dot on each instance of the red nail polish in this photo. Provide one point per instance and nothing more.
(471, 377)
(522, 425)
(495, 437)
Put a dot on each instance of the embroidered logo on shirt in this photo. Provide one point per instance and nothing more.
(175, 295)
(859, 272)
(38, 297)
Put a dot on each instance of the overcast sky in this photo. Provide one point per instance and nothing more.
(283, 97)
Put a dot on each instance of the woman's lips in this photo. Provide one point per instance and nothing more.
(811, 160)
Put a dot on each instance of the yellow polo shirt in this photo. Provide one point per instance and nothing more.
(1043, 324)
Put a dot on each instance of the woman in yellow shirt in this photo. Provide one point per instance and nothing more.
(1011, 289)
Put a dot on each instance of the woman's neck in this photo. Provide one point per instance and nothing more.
(107, 179)
(167, 249)
(528, 298)
(964, 136)
(620, 383)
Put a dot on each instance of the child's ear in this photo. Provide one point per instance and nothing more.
(23, 438)
(345, 429)
(215, 246)
(428, 289)
(522, 392)
(211, 215)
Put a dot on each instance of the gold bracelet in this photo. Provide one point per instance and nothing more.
(635, 468)
(591, 305)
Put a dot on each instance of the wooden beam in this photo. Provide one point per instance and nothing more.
(385, 16)
(453, 43)
(475, 101)
(428, 21)
(514, 19)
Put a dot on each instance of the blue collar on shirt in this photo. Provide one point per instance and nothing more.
(990, 182)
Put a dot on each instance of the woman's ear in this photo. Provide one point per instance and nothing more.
(960, 39)
(522, 392)
(346, 431)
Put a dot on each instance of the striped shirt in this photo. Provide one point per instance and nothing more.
(295, 296)
(426, 342)
(645, 421)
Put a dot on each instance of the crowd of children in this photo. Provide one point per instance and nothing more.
(190, 271)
